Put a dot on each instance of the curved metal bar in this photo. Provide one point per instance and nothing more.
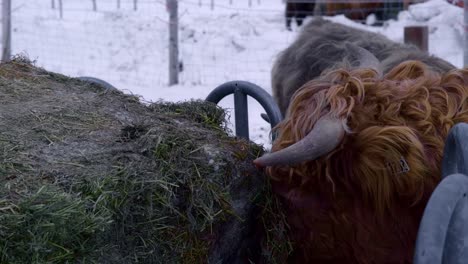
(259, 94)
(443, 230)
(456, 151)
(97, 81)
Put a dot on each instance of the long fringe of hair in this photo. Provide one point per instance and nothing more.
(396, 131)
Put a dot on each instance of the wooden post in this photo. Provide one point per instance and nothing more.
(60, 8)
(465, 49)
(173, 42)
(53, 4)
(418, 36)
(135, 5)
(212, 4)
(318, 8)
(94, 5)
(6, 30)
(118, 4)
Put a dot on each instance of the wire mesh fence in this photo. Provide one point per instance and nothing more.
(126, 42)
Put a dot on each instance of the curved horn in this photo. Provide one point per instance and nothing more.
(323, 138)
(366, 58)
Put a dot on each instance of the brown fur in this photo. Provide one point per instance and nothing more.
(356, 205)
(353, 10)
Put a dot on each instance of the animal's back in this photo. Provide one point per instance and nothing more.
(319, 48)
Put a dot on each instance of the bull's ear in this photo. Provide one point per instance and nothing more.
(365, 58)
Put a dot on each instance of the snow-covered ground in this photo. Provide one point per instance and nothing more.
(129, 48)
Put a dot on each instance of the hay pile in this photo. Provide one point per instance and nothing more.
(89, 175)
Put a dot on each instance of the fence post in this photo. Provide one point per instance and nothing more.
(118, 4)
(94, 5)
(465, 54)
(212, 4)
(6, 37)
(53, 4)
(417, 35)
(135, 5)
(318, 8)
(173, 42)
(60, 8)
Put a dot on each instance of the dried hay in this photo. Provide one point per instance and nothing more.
(89, 175)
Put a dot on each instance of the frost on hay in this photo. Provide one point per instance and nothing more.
(94, 175)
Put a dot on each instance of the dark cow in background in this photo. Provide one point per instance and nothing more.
(298, 10)
(360, 149)
(357, 10)
(458, 3)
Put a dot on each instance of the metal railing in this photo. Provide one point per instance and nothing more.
(97, 81)
(241, 89)
(443, 232)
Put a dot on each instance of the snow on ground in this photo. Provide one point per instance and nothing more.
(129, 48)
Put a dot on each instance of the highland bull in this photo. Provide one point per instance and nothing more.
(359, 151)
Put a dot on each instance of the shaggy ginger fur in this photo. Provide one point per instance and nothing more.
(363, 202)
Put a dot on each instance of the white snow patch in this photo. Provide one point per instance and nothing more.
(129, 49)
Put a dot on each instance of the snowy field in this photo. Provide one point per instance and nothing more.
(129, 48)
